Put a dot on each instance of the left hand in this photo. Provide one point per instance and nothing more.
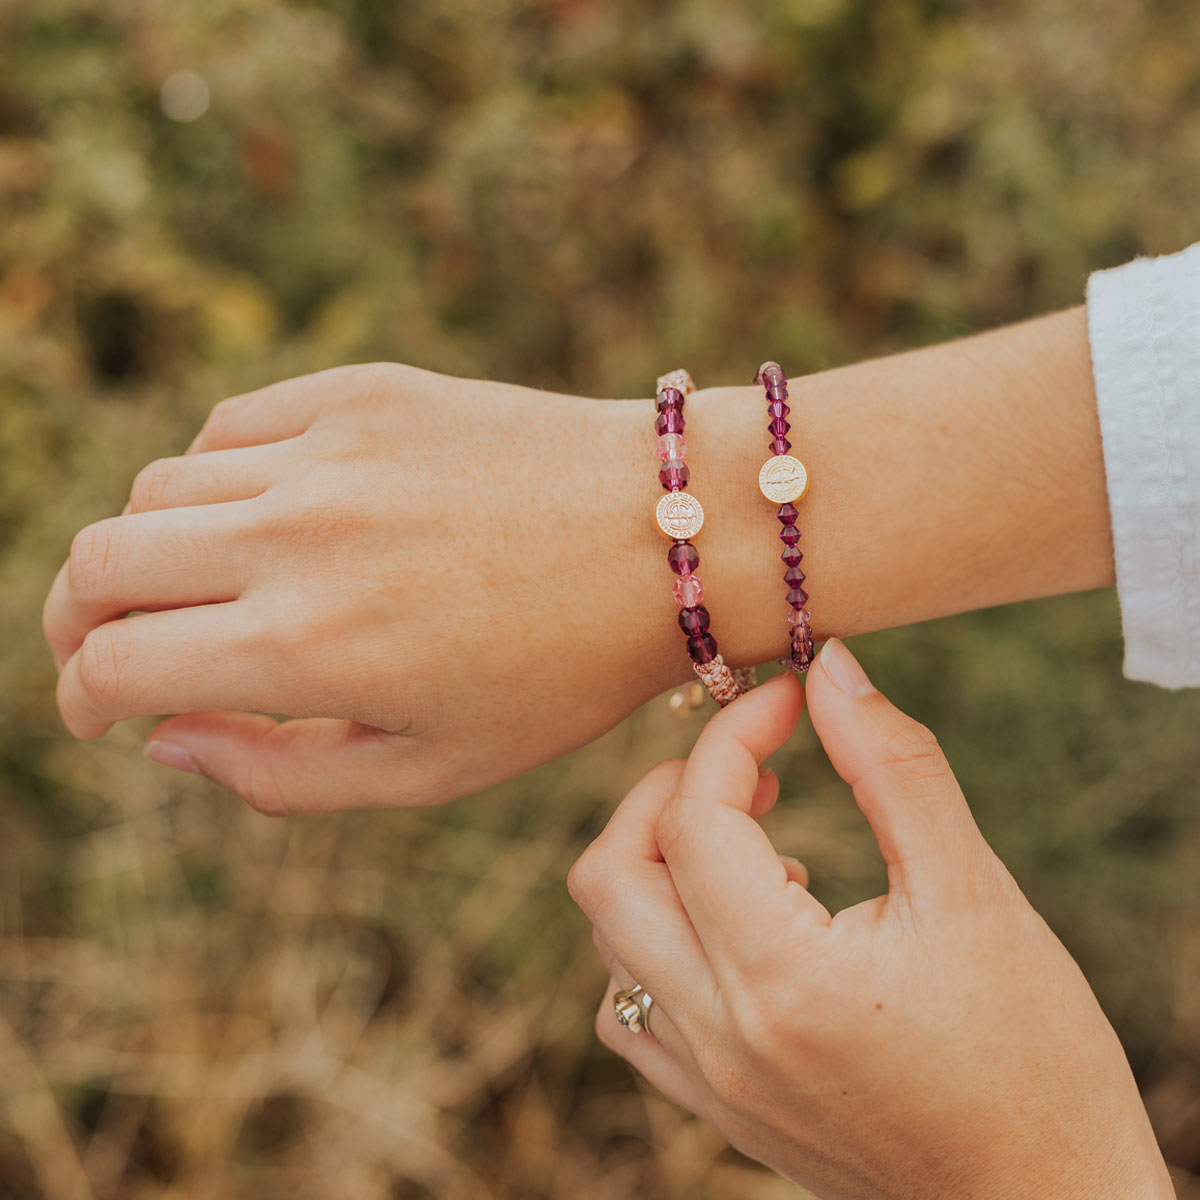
(937, 1041)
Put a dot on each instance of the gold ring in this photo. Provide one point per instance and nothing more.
(632, 1006)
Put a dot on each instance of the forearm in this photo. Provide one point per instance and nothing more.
(944, 479)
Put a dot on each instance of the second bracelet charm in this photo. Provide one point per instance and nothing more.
(783, 480)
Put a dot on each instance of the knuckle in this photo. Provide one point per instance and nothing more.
(151, 486)
(103, 666)
(93, 560)
(585, 880)
(914, 749)
(379, 380)
(259, 786)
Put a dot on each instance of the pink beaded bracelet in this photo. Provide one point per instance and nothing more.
(680, 517)
(784, 480)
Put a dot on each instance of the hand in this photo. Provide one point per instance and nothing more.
(450, 581)
(935, 1042)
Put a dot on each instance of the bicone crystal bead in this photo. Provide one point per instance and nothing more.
(670, 421)
(669, 397)
(797, 597)
(779, 446)
(674, 475)
(793, 577)
(789, 535)
(787, 514)
(689, 591)
(683, 558)
(798, 619)
(791, 554)
(771, 374)
(694, 621)
(776, 392)
(777, 409)
(778, 427)
(671, 445)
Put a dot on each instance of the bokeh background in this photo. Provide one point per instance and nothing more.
(201, 196)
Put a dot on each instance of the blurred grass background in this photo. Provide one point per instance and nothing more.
(200, 197)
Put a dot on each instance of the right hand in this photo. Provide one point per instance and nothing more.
(936, 1041)
(450, 581)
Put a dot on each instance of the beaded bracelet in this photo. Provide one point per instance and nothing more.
(680, 518)
(784, 480)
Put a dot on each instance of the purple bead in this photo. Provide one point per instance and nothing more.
(779, 446)
(789, 535)
(797, 597)
(771, 373)
(776, 392)
(798, 620)
(793, 577)
(669, 398)
(674, 475)
(670, 421)
(777, 408)
(802, 657)
(702, 648)
(787, 514)
(694, 621)
(791, 555)
(682, 558)
(779, 427)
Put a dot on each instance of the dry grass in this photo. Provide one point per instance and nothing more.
(195, 1001)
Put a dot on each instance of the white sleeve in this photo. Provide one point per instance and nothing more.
(1144, 328)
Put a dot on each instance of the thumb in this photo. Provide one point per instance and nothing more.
(316, 764)
(901, 779)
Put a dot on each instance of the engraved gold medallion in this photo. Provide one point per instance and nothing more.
(783, 479)
(679, 515)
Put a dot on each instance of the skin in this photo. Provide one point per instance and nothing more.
(422, 570)
(937, 1041)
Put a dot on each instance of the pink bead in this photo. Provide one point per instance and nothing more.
(689, 591)
(671, 445)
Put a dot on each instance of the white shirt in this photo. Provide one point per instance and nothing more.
(1144, 327)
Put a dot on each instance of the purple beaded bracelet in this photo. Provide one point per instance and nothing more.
(784, 480)
(680, 518)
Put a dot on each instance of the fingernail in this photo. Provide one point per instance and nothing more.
(765, 771)
(843, 670)
(171, 755)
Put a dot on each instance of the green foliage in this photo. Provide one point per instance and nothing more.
(196, 1001)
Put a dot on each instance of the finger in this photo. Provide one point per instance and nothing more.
(180, 660)
(649, 1057)
(147, 561)
(901, 780)
(213, 478)
(659, 1023)
(724, 868)
(797, 872)
(286, 767)
(275, 413)
(623, 886)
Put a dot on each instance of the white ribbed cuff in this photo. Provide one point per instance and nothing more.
(1144, 328)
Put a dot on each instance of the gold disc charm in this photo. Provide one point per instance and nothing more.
(679, 515)
(783, 479)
